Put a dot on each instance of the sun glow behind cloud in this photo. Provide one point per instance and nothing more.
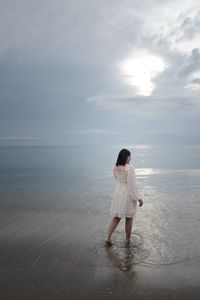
(140, 70)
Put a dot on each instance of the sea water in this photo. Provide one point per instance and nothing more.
(55, 205)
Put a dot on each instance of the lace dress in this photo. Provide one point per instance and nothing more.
(125, 195)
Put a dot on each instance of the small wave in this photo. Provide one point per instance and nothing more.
(153, 264)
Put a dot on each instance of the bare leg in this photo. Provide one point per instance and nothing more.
(128, 228)
(112, 226)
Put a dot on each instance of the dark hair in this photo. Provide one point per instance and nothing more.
(122, 157)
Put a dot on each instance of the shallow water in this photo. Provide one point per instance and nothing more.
(54, 208)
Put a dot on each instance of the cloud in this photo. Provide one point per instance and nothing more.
(21, 138)
(92, 131)
(196, 81)
(58, 65)
(189, 27)
(142, 106)
(192, 64)
(110, 102)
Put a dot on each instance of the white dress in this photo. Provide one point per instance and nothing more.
(125, 195)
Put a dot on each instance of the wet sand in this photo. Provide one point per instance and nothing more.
(47, 256)
(54, 213)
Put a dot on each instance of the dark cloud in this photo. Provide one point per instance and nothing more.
(192, 64)
(189, 27)
(196, 81)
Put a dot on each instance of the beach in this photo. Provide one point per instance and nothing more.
(53, 227)
(54, 265)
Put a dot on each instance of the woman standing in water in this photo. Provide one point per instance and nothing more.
(125, 196)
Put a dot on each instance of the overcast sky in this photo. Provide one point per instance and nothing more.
(98, 72)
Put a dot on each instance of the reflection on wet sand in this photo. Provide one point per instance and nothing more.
(123, 256)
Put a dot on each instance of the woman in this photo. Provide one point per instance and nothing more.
(125, 195)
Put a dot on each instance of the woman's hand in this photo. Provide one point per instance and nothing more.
(141, 202)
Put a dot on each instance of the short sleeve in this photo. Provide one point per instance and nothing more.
(132, 184)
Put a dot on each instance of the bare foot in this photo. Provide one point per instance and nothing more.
(108, 242)
(127, 242)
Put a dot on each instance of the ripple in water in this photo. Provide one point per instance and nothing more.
(124, 256)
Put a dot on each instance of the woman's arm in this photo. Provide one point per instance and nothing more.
(132, 185)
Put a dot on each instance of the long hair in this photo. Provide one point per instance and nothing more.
(122, 157)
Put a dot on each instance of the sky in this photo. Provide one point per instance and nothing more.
(99, 72)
